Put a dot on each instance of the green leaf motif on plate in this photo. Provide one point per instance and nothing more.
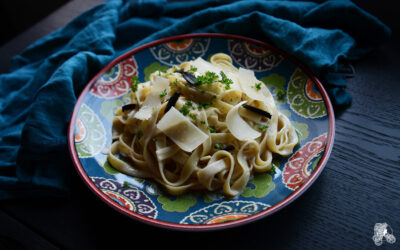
(209, 197)
(179, 203)
(286, 112)
(152, 68)
(108, 109)
(304, 97)
(301, 129)
(274, 81)
(315, 163)
(277, 84)
(109, 169)
(262, 186)
(95, 139)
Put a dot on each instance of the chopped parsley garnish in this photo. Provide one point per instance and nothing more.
(281, 94)
(225, 80)
(257, 86)
(163, 93)
(155, 139)
(135, 82)
(262, 127)
(211, 129)
(204, 105)
(208, 78)
(125, 184)
(272, 170)
(203, 122)
(218, 145)
(192, 69)
(176, 83)
(185, 110)
(193, 116)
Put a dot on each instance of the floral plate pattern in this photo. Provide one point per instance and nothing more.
(305, 102)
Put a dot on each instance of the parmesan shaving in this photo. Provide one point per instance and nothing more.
(205, 140)
(247, 82)
(153, 100)
(204, 66)
(238, 127)
(181, 131)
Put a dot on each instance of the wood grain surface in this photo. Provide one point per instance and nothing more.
(359, 187)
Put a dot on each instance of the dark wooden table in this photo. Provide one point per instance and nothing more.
(360, 185)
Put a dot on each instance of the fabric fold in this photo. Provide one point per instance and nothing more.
(38, 95)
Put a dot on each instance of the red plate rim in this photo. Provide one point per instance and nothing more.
(184, 227)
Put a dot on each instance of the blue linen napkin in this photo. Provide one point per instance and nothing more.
(38, 95)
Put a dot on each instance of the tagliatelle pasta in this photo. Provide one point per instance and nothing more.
(200, 126)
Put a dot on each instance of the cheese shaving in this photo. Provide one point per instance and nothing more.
(153, 100)
(181, 130)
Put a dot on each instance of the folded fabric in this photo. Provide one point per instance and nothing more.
(38, 95)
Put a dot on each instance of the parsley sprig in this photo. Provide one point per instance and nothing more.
(135, 82)
(272, 170)
(193, 116)
(208, 78)
(185, 110)
(257, 86)
(262, 127)
(204, 105)
(225, 80)
(192, 69)
(211, 129)
(281, 94)
(163, 93)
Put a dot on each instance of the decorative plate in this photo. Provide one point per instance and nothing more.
(306, 104)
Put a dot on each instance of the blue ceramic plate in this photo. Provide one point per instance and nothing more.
(306, 104)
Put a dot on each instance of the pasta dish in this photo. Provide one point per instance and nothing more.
(200, 126)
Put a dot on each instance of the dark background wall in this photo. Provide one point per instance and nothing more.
(18, 15)
(22, 22)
